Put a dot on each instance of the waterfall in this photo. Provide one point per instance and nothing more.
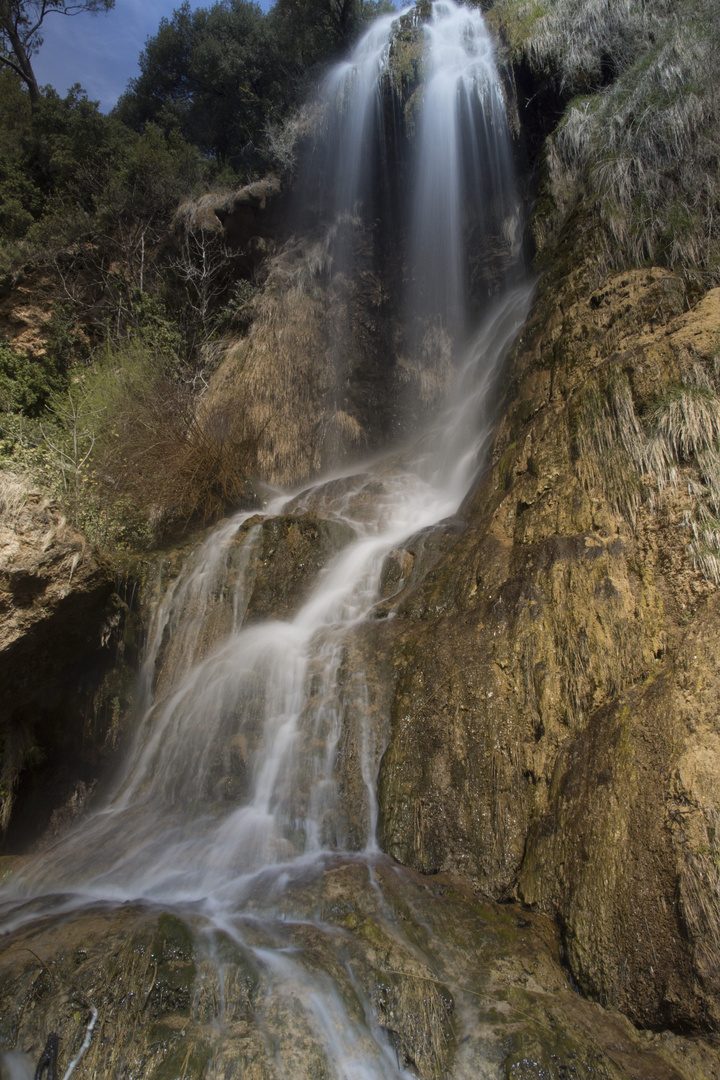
(463, 175)
(233, 786)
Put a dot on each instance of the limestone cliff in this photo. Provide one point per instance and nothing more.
(554, 732)
(544, 668)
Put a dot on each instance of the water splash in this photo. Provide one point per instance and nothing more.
(266, 705)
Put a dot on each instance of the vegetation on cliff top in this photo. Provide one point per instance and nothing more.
(100, 400)
(638, 144)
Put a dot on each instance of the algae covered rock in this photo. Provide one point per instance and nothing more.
(291, 552)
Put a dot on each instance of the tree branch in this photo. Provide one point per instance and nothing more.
(11, 64)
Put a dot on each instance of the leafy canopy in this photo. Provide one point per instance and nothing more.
(215, 75)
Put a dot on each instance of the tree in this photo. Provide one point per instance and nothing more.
(217, 76)
(314, 31)
(21, 24)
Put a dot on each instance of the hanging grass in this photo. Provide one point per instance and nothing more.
(631, 459)
(640, 148)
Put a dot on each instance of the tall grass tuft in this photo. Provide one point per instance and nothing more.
(610, 441)
(14, 488)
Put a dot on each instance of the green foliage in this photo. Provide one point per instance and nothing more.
(28, 382)
(71, 174)
(107, 413)
(222, 75)
(241, 297)
(20, 200)
(68, 141)
(313, 31)
(216, 76)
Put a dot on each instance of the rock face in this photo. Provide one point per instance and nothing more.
(454, 984)
(550, 679)
(54, 611)
(555, 734)
(247, 220)
(546, 691)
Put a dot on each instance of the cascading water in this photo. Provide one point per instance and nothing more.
(233, 790)
(463, 175)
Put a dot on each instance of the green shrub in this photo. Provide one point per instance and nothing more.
(28, 382)
(135, 451)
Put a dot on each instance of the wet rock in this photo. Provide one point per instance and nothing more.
(290, 554)
(56, 620)
(416, 973)
(552, 733)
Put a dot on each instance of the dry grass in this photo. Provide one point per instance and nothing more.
(425, 374)
(642, 149)
(632, 460)
(286, 368)
(14, 489)
(586, 41)
(283, 366)
(25, 509)
(610, 442)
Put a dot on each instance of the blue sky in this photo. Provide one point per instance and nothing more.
(101, 51)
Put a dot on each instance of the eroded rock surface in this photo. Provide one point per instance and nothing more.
(380, 968)
(554, 729)
(55, 618)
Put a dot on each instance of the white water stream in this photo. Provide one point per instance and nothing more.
(231, 780)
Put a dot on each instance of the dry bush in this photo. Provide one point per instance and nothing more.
(175, 459)
(285, 369)
(285, 140)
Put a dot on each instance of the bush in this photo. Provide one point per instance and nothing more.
(28, 382)
(157, 459)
